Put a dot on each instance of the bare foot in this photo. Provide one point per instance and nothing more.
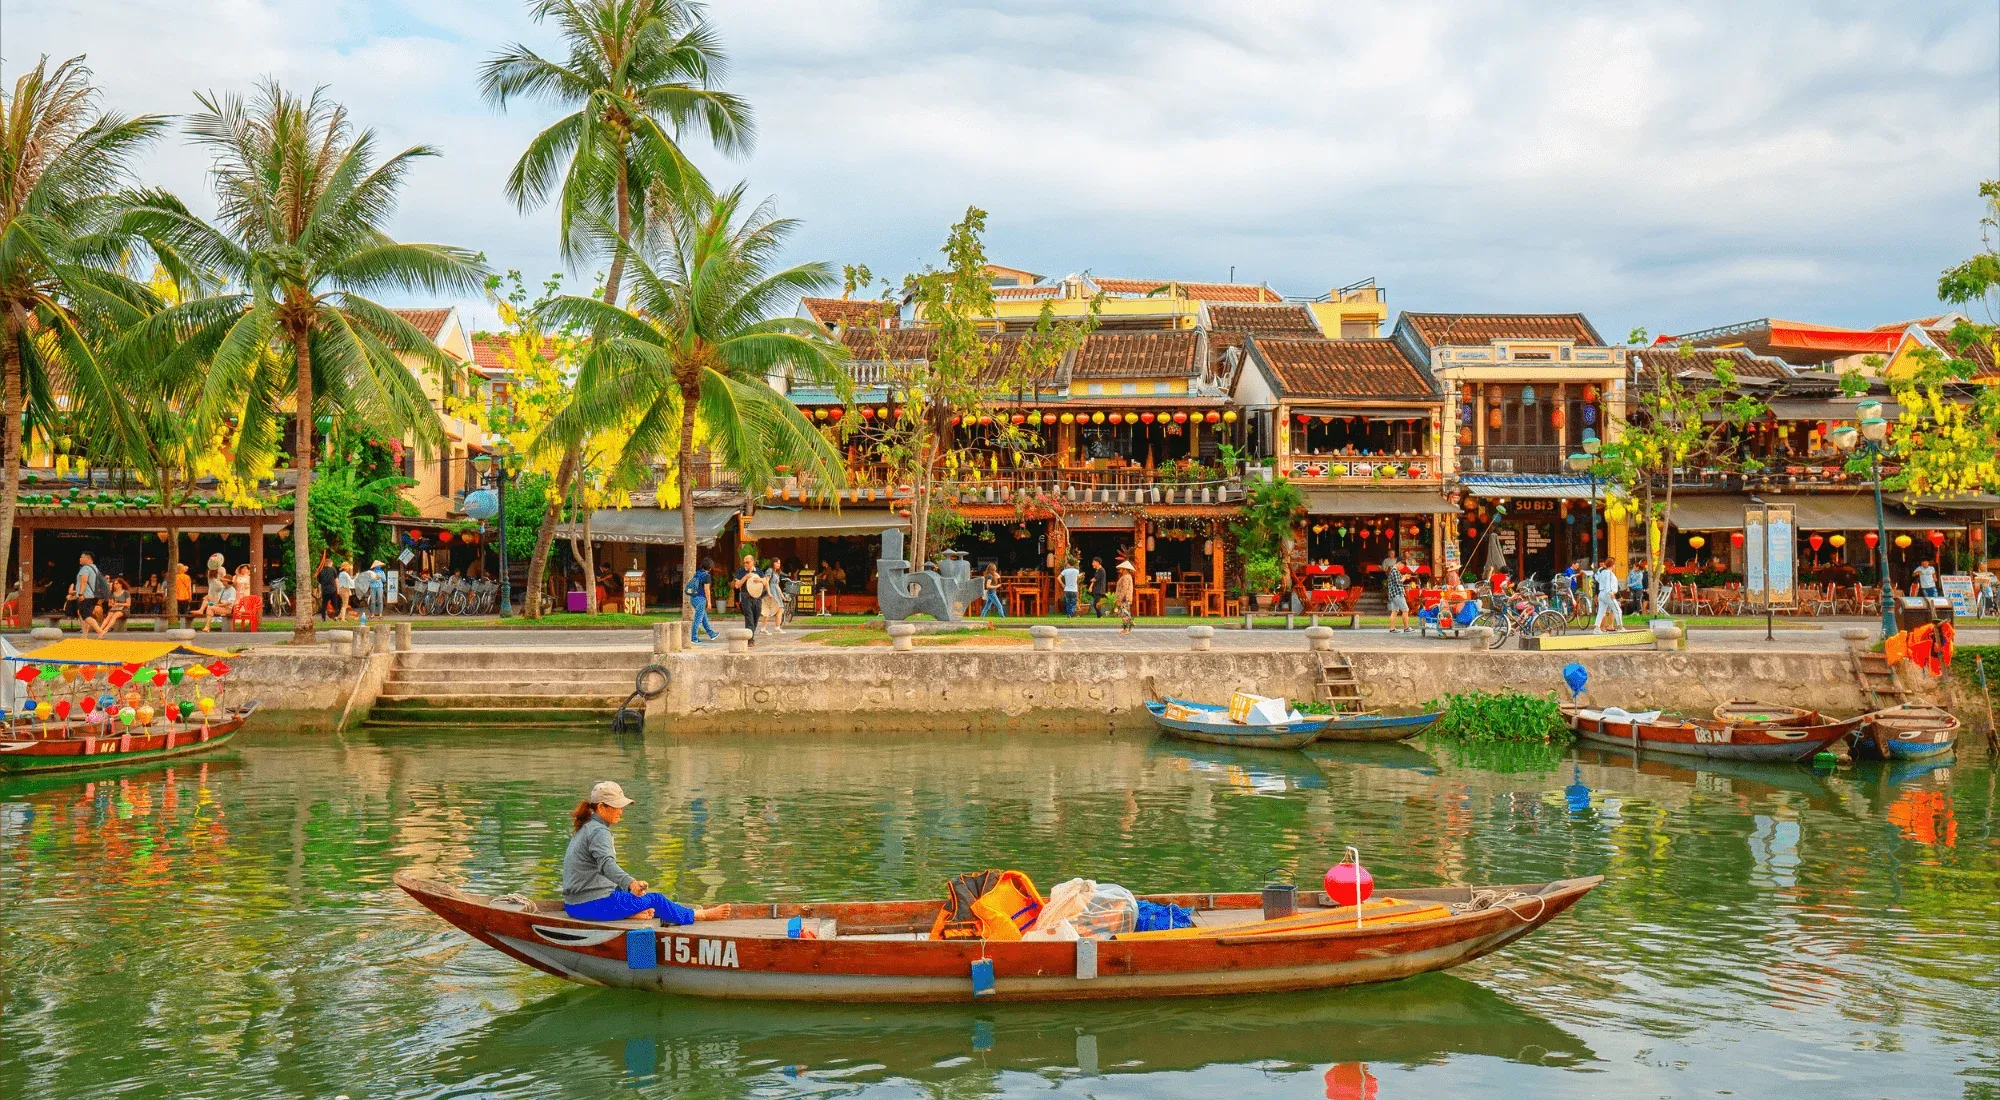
(643, 914)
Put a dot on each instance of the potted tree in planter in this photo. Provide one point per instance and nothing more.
(1264, 532)
(1262, 574)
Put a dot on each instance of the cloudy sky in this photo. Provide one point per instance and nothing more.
(1667, 165)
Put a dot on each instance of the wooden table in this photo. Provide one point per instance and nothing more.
(1024, 598)
(1146, 600)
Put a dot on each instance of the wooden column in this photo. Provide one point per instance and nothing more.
(256, 555)
(26, 606)
(1139, 550)
(1215, 553)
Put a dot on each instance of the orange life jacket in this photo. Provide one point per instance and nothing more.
(987, 905)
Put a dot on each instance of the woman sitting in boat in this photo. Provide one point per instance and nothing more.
(594, 887)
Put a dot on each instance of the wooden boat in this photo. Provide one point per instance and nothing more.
(1377, 727)
(1221, 731)
(1911, 731)
(1749, 712)
(878, 951)
(1797, 737)
(49, 747)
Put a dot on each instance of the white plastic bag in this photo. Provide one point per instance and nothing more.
(1065, 901)
(1111, 911)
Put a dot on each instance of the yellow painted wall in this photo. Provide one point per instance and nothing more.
(1329, 315)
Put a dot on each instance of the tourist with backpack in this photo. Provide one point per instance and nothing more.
(696, 591)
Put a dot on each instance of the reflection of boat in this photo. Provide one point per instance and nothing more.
(1377, 727)
(875, 953)
(34, 782)
(1900, 773)
(1745, 778)
(1258, 769)
(1380, 754)
(1210, 723)
(1911, 731)
(1766, 735)
(1412, 1022)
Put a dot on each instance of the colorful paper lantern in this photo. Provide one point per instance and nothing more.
(1902, 542)
(206, 703)
(1069, 418)
(1349, 884)
(1229, 416)
(196, 672)
(1097, 418)
(1556, 416)
(29, 705)
(1019, 419)
(127, 714)
(62, 709)
(27, 673)
(145, 715)
(1180, 418)
(835, 413)
(1816, 541)
(159, 677)
(1735, 538)
(1872, 539)
(819, 414)
(444, 536)
(1697, 542)
(867, 413)
(1589, 392)
(1936, 537)
(1213, 417)
(173, 711)
(1304, 419)
(1493, 417)
(882, 412)
(119, 677)
(1590, 416)
(217, 668)
(1838, 541)
(89, 703)
(1146, 418)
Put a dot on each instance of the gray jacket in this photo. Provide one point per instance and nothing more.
(590, 866)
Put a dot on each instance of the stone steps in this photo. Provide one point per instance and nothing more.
(396, 715)
(491, 687)
(513, 659)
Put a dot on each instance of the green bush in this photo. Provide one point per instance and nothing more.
(1509, 716)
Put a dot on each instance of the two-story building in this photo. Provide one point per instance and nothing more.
(1522, 393)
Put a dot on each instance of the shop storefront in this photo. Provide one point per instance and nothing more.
(647, 542)
(1350, 532)
(1837, 542)
(836, 551)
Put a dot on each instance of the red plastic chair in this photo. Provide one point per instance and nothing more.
(248, 614)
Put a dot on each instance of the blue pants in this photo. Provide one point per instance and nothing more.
(1069, 604)
(994, 603)
(700, 619)
(620, 904)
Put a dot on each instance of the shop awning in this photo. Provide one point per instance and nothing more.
(649, 526)
(1531, 487)
(1971, 502)
(1387, 502)
(790, 523)
(1819, 512)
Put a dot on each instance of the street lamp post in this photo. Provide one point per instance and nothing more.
(1872, 440)
(1585, 462)
(500, 470)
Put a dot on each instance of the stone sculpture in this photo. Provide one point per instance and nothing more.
(942, 593)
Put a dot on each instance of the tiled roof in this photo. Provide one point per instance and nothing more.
(1137, 355)
(1207, 292)
(1029, 292)
(429, 321)
(1981, 354)
(850, 311)
(1745, 363)
(1341, 368)
(491, 353)
(1920, 322)
(902, 345)
(1273, 320)
(1441, 329)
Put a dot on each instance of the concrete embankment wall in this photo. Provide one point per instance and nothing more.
(953, 689)
(311, 688)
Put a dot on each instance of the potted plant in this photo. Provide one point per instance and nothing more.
(1262, 573)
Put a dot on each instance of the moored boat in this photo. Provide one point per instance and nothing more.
(1377, 727)
(1750, 712)
(880, 951)
(1211, 724)
(24, 750)
(1911, 731)
(1785, 738)
(100, 702)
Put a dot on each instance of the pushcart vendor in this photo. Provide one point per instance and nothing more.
(594, 887)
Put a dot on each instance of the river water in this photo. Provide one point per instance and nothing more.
(229, 929)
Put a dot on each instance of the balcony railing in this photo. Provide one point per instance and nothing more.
(1546, 459)
(1133, 485)
(1348, 468)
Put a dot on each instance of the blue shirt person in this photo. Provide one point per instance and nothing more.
(594, 887)
(697, 596)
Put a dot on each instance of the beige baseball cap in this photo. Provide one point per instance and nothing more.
(608, 793)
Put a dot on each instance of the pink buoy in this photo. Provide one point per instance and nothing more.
(1349, 883)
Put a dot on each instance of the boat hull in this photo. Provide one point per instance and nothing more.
(1712, 740)
(1291, 736)
(25, 756)
(1907, 733)
(1377, 727)
(704, 960)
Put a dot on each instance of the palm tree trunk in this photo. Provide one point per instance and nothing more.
(302, 435)
(170, 607)
(11, 327)
(684, 475)
(546, 536)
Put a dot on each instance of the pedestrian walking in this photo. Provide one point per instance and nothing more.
(1123, 601)
(328, 578)
(1392, 588)
(1098, 583)
(777, 596)
(1927, 579)
(697, 592)
(749, 586)
(343, 587)
(89, 588)
(993, 602)
(1070, 576)
(1606, 583)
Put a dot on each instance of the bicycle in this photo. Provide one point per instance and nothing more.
(280, 604)
(1525, 613)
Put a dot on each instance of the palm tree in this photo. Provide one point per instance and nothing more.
(686, 364)
(637, 76)
(64, 166)
(299, 238)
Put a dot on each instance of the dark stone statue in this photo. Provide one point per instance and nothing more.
(942, 593)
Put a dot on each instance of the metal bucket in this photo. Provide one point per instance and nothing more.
(1280, 900)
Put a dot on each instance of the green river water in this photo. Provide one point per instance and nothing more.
(228, 928)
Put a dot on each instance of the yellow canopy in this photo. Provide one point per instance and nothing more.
(105, 651)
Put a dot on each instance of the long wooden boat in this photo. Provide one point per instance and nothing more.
(1377, 727)
(1750, 712)
(879, 951)
(1911, 731)
(33, 747)
(1221, 731)
(1799, 738)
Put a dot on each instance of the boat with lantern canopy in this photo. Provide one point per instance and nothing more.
(91, 703)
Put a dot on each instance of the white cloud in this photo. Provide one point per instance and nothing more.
(1672, 166)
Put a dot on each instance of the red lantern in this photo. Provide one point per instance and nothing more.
(985, 420)
(1213, 417)
(1181, 418)
(1871, 538)
(1146, 417)
(1019, 419)
(1816, 541)
(1302, 418)
(867, 413)
(444, 536)
(1493, 418)
(1589, 393)
(1936, 537)
(470, 538)
(955, 420)
(1736, 538)
(835, 413)
(1556, 417)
